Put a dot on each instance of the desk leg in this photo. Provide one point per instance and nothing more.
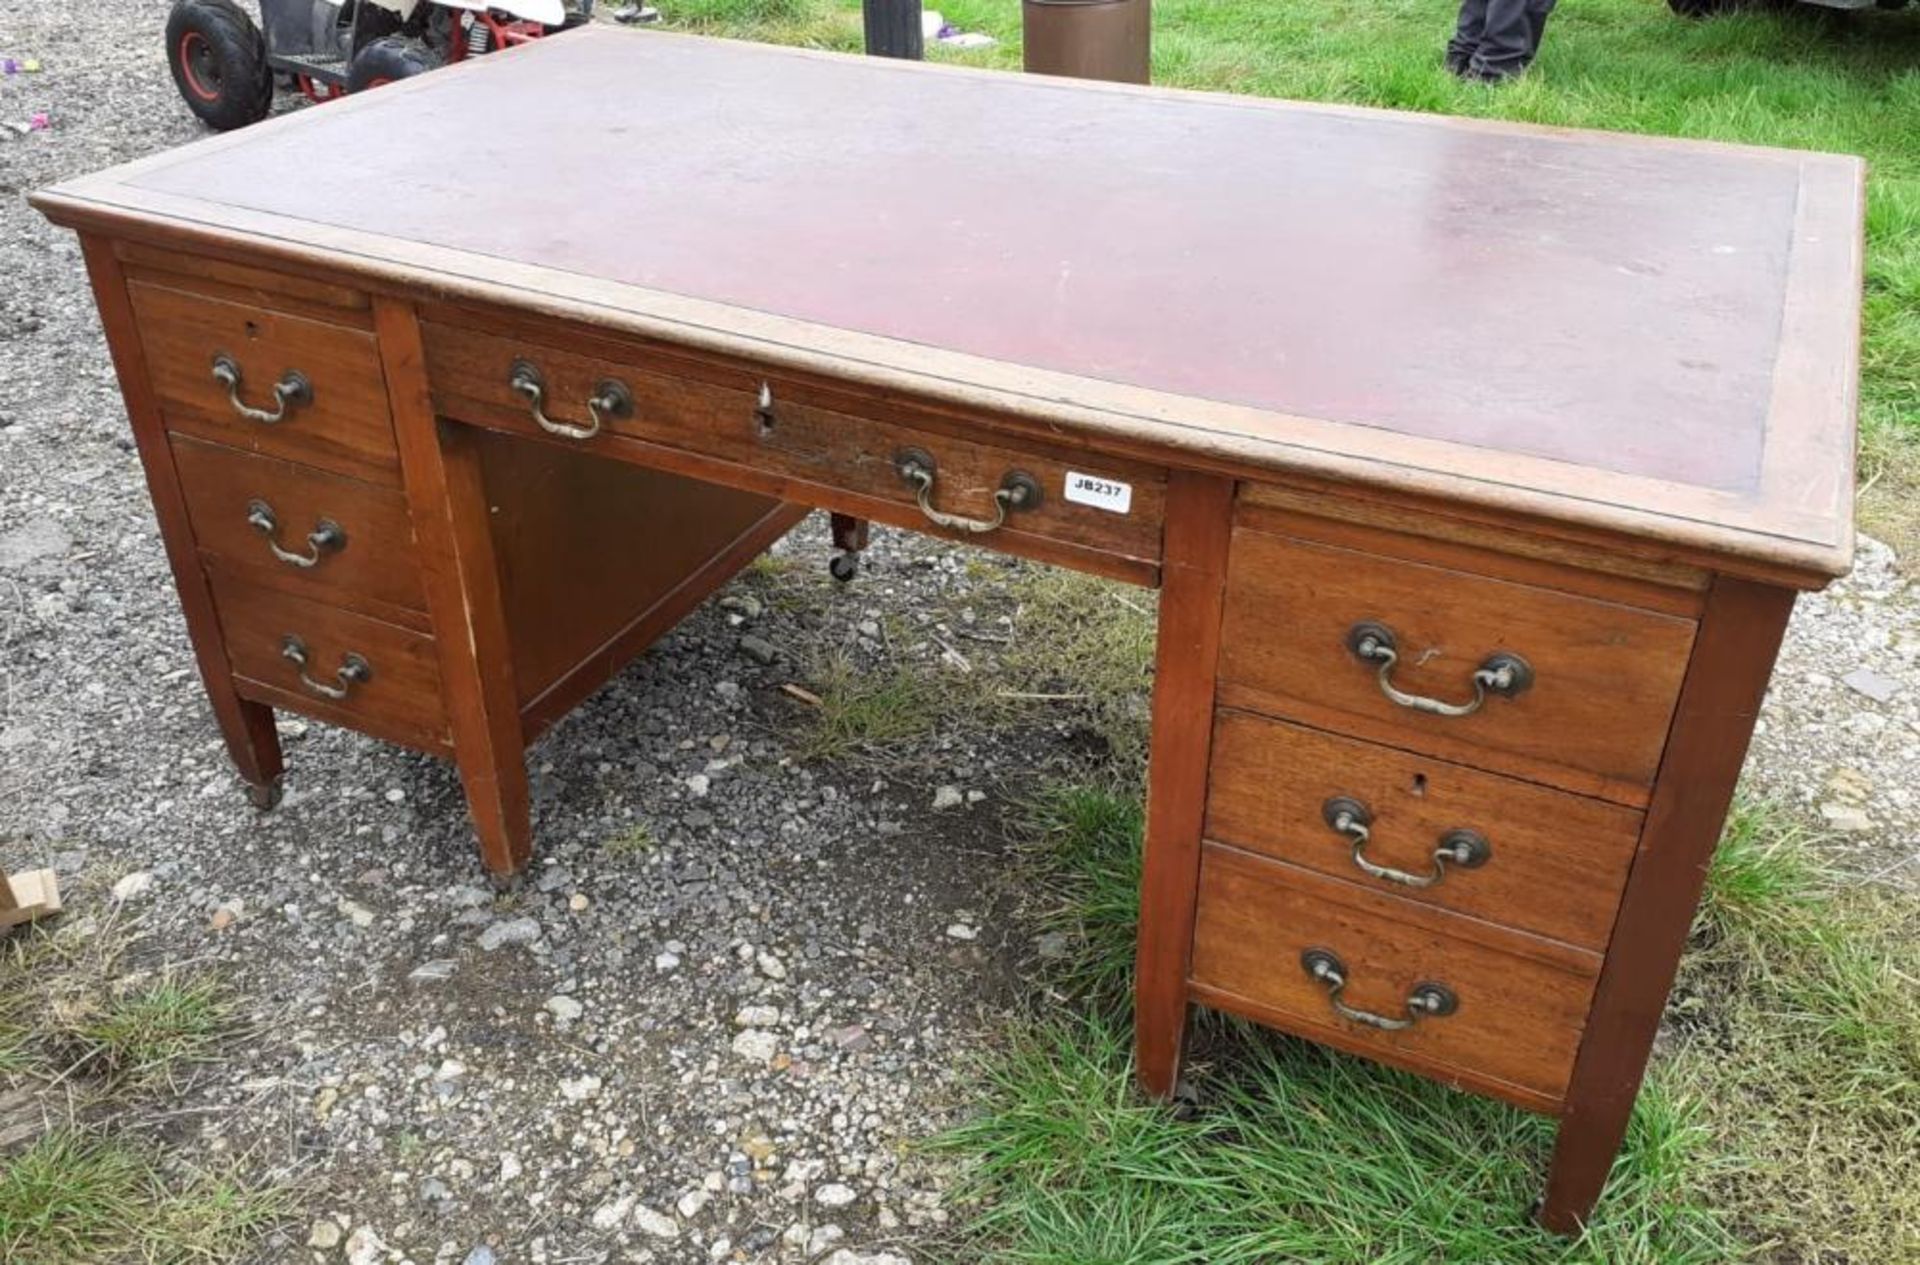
(1726, 680)
(447, 498)
(247, 726)
(1193, 586)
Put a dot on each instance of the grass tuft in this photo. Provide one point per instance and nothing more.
(861, 713)
(639, 841)
(69, 1197)
(148, 1030)
(77, 1198)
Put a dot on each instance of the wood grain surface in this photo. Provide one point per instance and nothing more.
(1522, 1002)
(1557, 861)
(346, 427)
(1594, 720)
(377, 561)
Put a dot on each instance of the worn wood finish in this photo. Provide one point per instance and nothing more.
(1739, 638)
(345, 428)
(829, 496)
(376, 563)
(246, 725)
(1236, 361)
(446, 491)
(1199, 525)
(242, 283)
(1557, 862)
(401, 698)
(1443, 540)
(586, 546)
(1593, 721)
(1522, 1001)
(793, 437)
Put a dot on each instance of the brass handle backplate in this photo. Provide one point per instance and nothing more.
(1427, 1000)
(1018, 491)
(610, 398)
(292, 391)
(1501, 673)
(354, 670)
(326, 537)
(1353, 820)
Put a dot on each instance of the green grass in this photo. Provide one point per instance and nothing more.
(863, 713)
(105, 1045)
(1790, 75)
(1784, 1125)
(151, 1029)
(636, 842)
(77, 1198)
(1081, 641)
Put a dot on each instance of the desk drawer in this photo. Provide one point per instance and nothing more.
(308, 657)
(801, 448)
(268, 381)
(1507, 851)
(1506, 1017)
(338, 539)
(1321, 634)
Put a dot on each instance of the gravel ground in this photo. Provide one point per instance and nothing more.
(736, 987)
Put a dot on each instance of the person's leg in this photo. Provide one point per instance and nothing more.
(1537, 24)
(1466, 35)
(1506, 40)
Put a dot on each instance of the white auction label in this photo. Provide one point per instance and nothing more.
(1103, 494)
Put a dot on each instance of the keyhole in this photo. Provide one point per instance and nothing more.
(253, 330)
(1419, 785)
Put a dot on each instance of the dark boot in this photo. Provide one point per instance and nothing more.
(1506, 41)
(1466, 36)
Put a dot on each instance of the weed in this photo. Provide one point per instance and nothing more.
(861, 713)
(637, 842)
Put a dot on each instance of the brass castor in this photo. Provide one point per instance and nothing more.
(264, 796)
(844, 566)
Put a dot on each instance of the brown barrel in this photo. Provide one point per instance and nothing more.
(1089, 39)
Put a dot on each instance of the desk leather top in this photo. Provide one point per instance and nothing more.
(1657, 329)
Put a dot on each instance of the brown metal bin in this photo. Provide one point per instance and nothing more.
(1089, 39)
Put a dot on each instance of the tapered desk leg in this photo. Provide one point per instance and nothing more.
(1726, 680)
(1193, 583)
(447, 499)
(247, 726)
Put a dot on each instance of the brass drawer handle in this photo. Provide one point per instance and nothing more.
(1352, 819)
(611, 398)
(1427, 1000)
(289, 393)
(326, 536)
(354, 670)
(1499, 673)
(1018, 491)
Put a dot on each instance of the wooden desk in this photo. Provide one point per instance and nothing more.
(1478, 466)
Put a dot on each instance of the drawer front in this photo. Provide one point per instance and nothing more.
(1452, 837)
(1307, 628)
(308, 657)
(1517, 1006)
(337, 538)
(213, 362)
(473, 372)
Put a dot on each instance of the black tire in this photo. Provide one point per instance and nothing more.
(389, 58)
(219, 63)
